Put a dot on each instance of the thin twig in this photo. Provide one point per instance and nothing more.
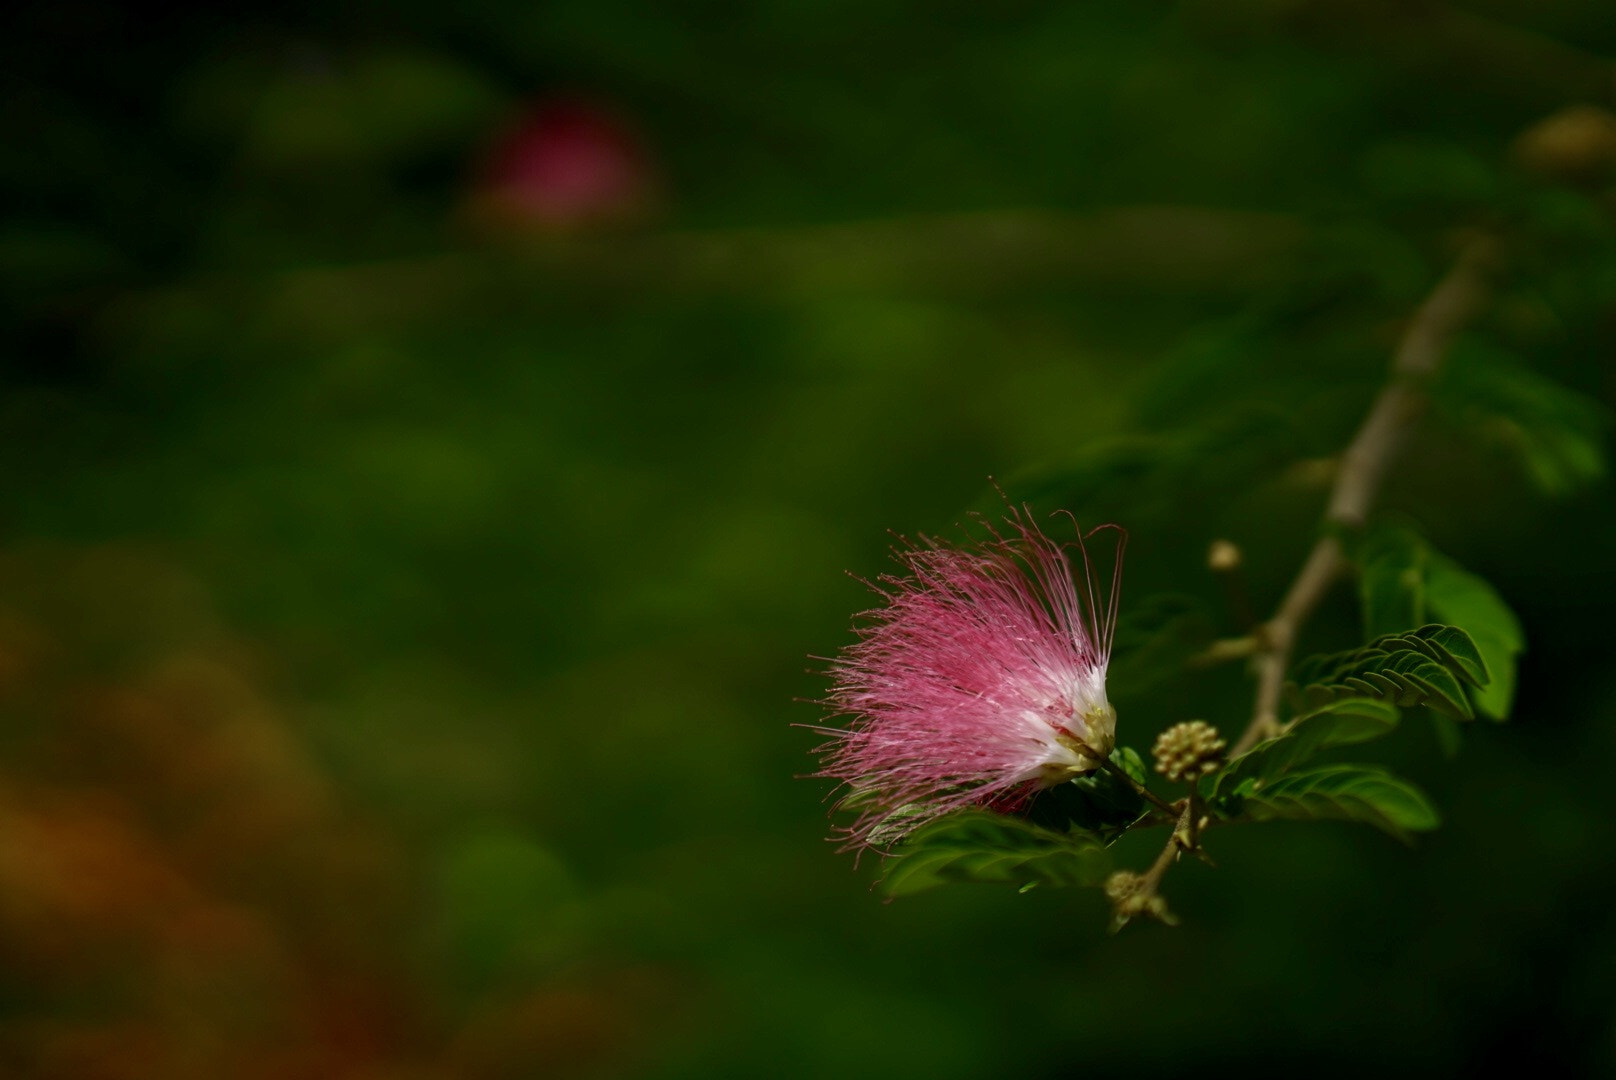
(1188, 834)
(1169, 855)
(1182, 838)
(1112, 767)
(1226, 649)
(1224, 559)
(1455, 300)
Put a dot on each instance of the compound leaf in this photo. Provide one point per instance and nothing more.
(1361, 793)
(1429, 666)
(1556, 434)
(1337, 723)
(978, 845)
(1402, 581)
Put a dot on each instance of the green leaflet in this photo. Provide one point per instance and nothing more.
(1459, 597)
(1128, 759)
(1555, 433)
(1391, 581)
(1338, 723)
(977, 845)
(1403, 582)
(1344, 722)
(1361, 793)
(1100, 802)
(1429, 666)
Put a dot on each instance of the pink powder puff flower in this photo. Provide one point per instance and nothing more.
(568, 165)
(981, 681)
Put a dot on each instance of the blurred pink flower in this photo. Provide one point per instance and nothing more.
(980, 681)
(567, 163)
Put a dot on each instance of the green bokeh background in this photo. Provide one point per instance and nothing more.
(403, 627)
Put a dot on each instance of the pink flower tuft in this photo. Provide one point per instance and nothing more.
(568, 165)
(980, 681)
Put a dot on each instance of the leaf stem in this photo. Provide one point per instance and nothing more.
(1159, 868)
(1184, 837)
(1112, 767)
(1451, 305)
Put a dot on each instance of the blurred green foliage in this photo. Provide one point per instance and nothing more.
(402, 620)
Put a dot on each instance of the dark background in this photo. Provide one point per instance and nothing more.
(407, 576)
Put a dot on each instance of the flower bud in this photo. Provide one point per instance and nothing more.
(1576, 145)
(1130, 898)
(1121, 885)
(1223, 556)
(1188, 751)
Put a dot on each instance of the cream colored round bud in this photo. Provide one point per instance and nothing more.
(1188, 751)
(1223, 556)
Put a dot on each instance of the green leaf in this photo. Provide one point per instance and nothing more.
(1338, 723)
(1402, 580)
(1463, 599)
(1429, 666)
(1391, 581)
(1556, 434)
(891, 829)
(1450, 646)
(978, 845)
(1128, 760)
(1100, 801)
(1343, 793)
(1345, 722)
